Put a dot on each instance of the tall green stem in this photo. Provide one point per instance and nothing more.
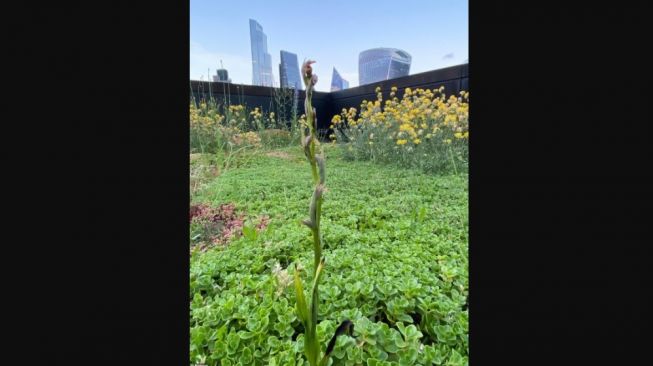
(308, 313)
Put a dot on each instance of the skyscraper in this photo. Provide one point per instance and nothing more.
(261, 59)
(337, 82)
(222, 75)
(289, 71)
(379, 64)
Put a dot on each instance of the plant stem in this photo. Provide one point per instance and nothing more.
(453, 161)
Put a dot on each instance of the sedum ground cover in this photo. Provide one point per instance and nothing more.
(395, 242)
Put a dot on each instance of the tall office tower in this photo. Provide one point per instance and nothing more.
(379, 64)
(222, 75)
(337, 82)
(289, 71)
(261, 59)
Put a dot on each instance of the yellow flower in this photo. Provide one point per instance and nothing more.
(447, 141)
(401, 142)
(378, 89)
(417, 141)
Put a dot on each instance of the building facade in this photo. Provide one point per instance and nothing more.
(289, 71)
(261, 59)
(380, 64)
(337, 82)
(222, 75)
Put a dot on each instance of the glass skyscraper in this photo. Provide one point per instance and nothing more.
(380, 64)
(261, 59)
(289, 71)
(337, 82)
(222, 75)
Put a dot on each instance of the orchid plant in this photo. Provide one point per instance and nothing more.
(307, 312)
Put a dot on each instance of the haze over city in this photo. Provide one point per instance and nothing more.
(434, 33)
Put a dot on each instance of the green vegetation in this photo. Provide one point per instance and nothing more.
(395, 247)
(425, 130)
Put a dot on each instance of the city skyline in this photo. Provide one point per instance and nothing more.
(433, 33)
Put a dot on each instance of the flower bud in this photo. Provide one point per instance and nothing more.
(307, 71)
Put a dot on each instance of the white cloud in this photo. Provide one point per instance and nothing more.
(201, 60)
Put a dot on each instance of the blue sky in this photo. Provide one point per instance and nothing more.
(331, 32)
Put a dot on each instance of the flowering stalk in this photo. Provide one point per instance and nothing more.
(307, 313)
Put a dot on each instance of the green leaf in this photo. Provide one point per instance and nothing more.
(440, 354)
(219, 349)
(233, 341)
(245, 335)
(456, 359)
(399, 341)
(407, 356)
(253, 323)
(391, 347)
(246, 357)
(373, 362)
(273, 344)
(377, 353)
(354, 353)
(302, 308)
(422, 214)
(250, 232)
(410, 332)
